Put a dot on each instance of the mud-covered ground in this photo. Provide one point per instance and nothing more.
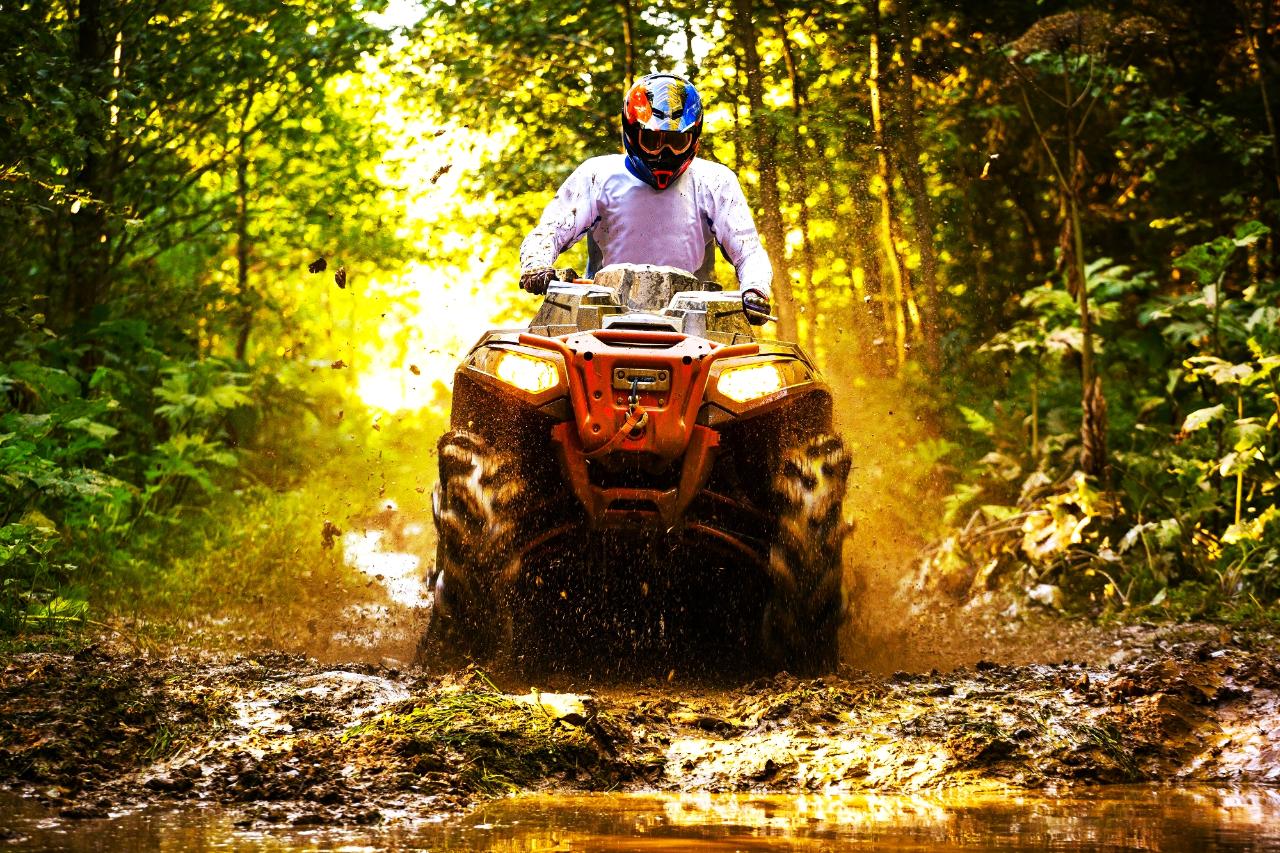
(283, 739)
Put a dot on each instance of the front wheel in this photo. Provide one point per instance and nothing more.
(802, 618)
(475, 507)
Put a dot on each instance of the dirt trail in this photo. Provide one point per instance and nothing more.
(281, 739)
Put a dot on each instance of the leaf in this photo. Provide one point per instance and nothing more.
(1238, 462)
(976, 421)
(1266, 317)
(1202, 417)
(1249, 433)
(1066, 341)
(1221, 372)
(999, 512)
(101, 432)
(1251, 530)
(1003, 466)
(1248, 233)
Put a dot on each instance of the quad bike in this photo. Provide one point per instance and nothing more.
(635, 471)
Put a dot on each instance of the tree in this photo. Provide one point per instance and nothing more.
(1063, 60)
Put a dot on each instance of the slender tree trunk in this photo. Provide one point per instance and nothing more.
(766, 146)
(1093, 421)
(244, 287)
(1076, 265)
(628, 42)
(896, 319)
(913, 178)
(242, 255)
(86, 264)
(738, 74)
(800, 180)
(1257, 40)
(870, 306)
(690, 63)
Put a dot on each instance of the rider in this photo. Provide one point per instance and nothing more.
(658, 203)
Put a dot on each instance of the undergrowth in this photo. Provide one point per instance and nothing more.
(1184, 523)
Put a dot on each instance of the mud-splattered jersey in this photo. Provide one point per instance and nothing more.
(631, 222)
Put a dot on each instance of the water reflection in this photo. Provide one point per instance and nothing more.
(1135, 818)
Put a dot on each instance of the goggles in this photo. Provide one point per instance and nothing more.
(653, 141)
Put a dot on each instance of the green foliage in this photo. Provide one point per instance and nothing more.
(1192, 505)
(77, 493)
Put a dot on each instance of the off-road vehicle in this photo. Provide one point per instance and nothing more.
(636, 472)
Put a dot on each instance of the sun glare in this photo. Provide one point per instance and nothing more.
(431, 311)
(437, 316)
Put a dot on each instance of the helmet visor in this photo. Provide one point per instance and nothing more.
(653, 141)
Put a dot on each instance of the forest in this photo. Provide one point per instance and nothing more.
(1033, 247)
(246, 242)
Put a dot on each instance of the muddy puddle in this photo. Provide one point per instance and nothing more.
(1112, 818)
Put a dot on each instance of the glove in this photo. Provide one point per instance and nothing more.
(757, 307)
(537, 279)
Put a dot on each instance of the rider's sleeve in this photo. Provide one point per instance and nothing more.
(735, 232)
(566, 218)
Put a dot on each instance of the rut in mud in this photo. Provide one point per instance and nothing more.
(284, 740)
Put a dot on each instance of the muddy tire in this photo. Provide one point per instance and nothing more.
(474, 505)
(801, 623)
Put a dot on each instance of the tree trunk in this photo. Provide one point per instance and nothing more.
(690, 64)
(1257, 42)
(896, 318)
(242, 254)
(738, 74)
(764, 138)
(800, 180)
(243, 247)
(628, 42)
(86, 262)
(913, 178)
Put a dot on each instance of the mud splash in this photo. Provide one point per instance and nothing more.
(280, 740)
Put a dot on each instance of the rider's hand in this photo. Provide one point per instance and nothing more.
(756, 306)
(537, 279)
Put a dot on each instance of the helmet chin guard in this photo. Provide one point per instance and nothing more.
(661, 123)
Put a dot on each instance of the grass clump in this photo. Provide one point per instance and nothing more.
(492, 742)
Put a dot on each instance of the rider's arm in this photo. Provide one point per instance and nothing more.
(735, 231)
(566, 218)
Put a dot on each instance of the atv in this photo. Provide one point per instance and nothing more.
(635, 472)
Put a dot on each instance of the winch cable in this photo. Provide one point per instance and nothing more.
(637, 420)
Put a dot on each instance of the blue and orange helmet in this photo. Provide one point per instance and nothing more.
(661, 122)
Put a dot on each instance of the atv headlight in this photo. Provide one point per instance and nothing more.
(750, 382)
(526, 372)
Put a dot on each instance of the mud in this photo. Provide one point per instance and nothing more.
(281, 739)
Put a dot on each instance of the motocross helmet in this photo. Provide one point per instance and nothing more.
(661, 122)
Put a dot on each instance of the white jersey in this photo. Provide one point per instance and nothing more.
(631, 222)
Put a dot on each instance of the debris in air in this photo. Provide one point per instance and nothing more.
(328, 534)
(340, 277)
(413, 368)
(337, 365)
(441, 172)
(318, 265)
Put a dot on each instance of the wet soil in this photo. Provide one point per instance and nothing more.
(282, 739)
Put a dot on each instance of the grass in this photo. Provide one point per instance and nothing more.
(494, 743)
(1105, 737)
